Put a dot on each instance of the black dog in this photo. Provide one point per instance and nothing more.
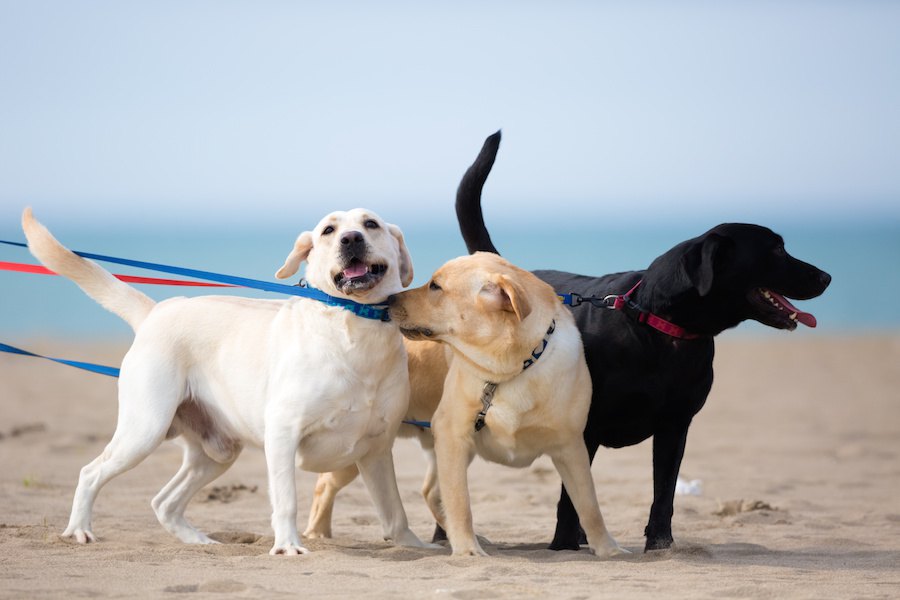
(649, 382)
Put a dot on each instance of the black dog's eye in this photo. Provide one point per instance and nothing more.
(434, 286)
(779, 251)
(328, 230)
(370, 224)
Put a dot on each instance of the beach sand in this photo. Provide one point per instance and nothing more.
(798, 450)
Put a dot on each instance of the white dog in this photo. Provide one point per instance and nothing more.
(303, 379)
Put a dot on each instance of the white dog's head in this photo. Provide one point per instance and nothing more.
(353, 253)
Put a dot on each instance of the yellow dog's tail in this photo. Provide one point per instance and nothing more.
(98, 283)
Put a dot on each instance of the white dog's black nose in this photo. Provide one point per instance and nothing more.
(352, 238)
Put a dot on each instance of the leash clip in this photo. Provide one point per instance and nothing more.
(487, 397)
(612, 301)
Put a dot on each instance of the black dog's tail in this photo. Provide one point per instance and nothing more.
(468, 198)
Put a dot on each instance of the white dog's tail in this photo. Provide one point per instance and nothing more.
(98, 283)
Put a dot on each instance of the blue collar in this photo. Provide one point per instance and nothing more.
(376, 312)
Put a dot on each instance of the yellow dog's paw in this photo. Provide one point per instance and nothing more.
(316, 534)
(610, 549)
(469, 551)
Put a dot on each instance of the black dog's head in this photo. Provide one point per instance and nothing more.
(731, 273)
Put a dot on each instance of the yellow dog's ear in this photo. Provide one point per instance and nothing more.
(406, 267)
(507, 295)
(302, 248)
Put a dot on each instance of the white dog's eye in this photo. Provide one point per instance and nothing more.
(371, 224)
(328, 230)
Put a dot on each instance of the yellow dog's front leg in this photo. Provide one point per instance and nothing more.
(455, 450)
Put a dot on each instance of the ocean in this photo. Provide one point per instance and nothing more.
(863, 260)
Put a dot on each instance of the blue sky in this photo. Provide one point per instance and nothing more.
(228, 112)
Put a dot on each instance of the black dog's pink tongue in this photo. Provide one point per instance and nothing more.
(356, 269)
(802, 317)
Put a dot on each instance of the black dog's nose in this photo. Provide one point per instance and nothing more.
(824, 279)
(392, 299)
(352, 237)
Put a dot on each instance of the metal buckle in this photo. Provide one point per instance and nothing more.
(487, 396)
(610, 301)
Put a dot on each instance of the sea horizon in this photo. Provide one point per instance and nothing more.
(861, 256)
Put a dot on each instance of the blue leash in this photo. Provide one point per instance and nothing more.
(101, 369)
(377, 312)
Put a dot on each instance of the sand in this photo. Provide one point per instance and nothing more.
(798, 450)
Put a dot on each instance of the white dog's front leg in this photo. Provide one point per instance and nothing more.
(281, 446)
(377, 470)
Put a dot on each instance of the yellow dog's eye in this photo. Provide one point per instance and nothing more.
(328, 230)
(433, 286)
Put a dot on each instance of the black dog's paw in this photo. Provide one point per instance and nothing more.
(565, 539)
(439, 535)
(658, 543)
(558, 544)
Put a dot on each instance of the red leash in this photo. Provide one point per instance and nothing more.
(37, 269)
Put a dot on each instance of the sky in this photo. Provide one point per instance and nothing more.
(225, 113)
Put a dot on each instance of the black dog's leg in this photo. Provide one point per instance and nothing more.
(568, 529)
(668, 450)
(569, 535)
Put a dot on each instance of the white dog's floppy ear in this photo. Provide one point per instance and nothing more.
(507, 295)
(406, 267)
(301, 250)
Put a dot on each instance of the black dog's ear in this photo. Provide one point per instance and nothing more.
(700, 261)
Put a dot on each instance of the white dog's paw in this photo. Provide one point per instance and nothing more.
(199, 538)
(288, 549)
(79, 535)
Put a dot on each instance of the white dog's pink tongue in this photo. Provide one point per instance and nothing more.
(357, 269)
(800, 316)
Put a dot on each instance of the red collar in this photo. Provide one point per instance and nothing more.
(656, 322)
